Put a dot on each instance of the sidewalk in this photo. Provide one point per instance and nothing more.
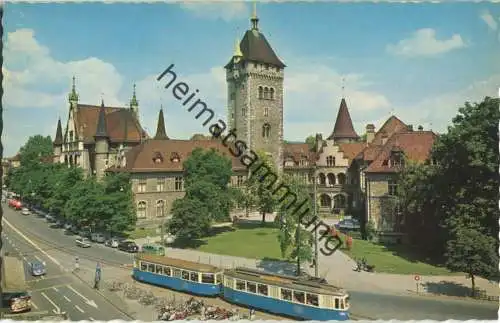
(338, 270)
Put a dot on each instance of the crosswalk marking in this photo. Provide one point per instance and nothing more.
(78, 308)
(66, 298)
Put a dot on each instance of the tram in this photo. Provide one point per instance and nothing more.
(186, 276)
(283, 295)
(286, 295)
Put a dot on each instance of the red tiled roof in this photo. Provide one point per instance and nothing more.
(141, 158)
(416, 146)
(343, 124)
(297, 151)
(121, 123)
(352, 149)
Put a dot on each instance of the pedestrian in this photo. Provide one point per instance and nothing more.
(77, 263)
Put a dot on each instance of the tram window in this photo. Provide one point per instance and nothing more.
(263, 289)
(251, 287)
(159, 269)
(217, 278)
(177, 273)
(341, 303)
(298, 297)
(207, 278)
(312, 299)
(185, 275)
(286, 294)
(144, 266)
(337, 303)
(151, 268)
(193, 276)
(167, 271)
(346, 300)
(240, 284)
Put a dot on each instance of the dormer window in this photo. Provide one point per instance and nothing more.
(303, 161)
(174, 158)
(397, 158)
(330, 161)
(289, 162)
(157, 158)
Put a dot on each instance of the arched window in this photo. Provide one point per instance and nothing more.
(339, 201)
(341, 178)
(325, 201)
(266, 93)
(266, 130)
(331, 179)
(322, 179)
(266, 112)
(141, 209)
(261, 92)
(271, 94)
(160, 208)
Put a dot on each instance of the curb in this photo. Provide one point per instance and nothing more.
(463, 298)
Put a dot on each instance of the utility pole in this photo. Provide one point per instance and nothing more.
(316, 264)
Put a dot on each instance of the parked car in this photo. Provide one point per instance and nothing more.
(25, 211)
(348, 225)
(67, 226)
(113, 242)
(58, 224)
(83, 242)
(84, 233)
(37, 268)
(128, 246)
(50, 217)
(98, 237)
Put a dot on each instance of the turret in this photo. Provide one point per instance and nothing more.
(73, 95)
(161, 133)
(101, 138)
(58, 142)
(134, 105)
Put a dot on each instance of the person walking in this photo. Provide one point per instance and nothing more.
(77, 263)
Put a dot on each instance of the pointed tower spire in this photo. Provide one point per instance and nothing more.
(133, 101)
(343, 125)
(237, 49)
(73, 96)
(59, 137)
(254, 20)
(102, 129)
(161, 133)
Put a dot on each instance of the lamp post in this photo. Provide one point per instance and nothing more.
(316, 256)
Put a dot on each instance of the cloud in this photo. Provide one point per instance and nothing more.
(489, 20)
(36, 80)
(36, 87)
(217, 10)
(423, 42)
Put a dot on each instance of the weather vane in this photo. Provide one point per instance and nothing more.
(343, 87)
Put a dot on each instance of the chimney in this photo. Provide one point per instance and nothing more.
(370, 133)
(420, 128)
(410, 127)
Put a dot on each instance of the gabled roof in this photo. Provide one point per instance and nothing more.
(255, 48)
(351, 149)
(390, 127)
(343, 125)
(141, 158)
(121, 123)
(415, 145)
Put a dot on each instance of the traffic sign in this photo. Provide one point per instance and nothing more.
(417, 277)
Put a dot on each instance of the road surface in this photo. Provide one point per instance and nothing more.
(363, 304)
(59, 290)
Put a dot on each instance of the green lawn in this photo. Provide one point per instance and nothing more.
(395, 259)
(247, 240)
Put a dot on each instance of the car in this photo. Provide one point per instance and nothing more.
(49, 217)
(128, 246)
(348, 225)
(25, 211)
(98, 237)
(113, 242)
(58, 224)
(67, 226)
(37, 268)
(83, 242)
(84, 233)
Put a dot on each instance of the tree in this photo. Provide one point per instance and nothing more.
(65, 181)
(311, 142)
(245, 197)
(34, 149)
(87, 205)
(295, 241)
(207, 175)
(261, 186)
(190, 219)
(467, 190)
(120, 200)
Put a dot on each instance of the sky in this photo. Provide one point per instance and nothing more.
(420, 62)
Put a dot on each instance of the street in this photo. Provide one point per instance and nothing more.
(60, 288)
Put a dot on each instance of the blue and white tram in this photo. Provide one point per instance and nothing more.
(285, 295)
(186, 276)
